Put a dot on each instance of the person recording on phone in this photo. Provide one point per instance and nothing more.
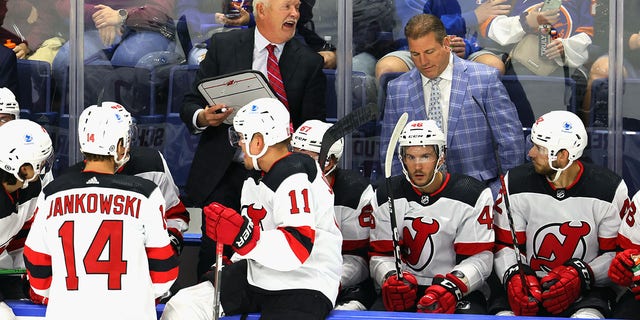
(217, 170)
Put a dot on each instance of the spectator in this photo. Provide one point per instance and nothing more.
(620, 271)
(217, 172)
(599, 49)
(461, 21)
(566, 214)
(444, 227)
(8, 69)
(465, 90)
(288, 263)
(102, 212)
(353, 195)
(19, 11)
(21, 162)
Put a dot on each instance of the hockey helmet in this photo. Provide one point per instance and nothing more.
(24, 142)
(267, 116)
(8, 103)
(309, 137)
(100, 128)
(559, 130)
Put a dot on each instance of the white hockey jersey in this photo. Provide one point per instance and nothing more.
(629, 233)
(554, 225)
(98, 247)
(353, 196)
(16, 213)
(300, 243)
(450, 229)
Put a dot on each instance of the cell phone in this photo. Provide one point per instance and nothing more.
(231, 8)
(551, 5)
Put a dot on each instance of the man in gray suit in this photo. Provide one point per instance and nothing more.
(454, 92)
(217, 173)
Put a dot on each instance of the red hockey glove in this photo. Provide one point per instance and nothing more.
(523, 301)
(399, 295)
(620, 269)
(36, 298)
(175, 237)
(227, 226)
(442, 295)
(564, 284)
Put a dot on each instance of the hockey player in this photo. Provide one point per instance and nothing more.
(353, 195)
(25, 149)
(445, 230)
(149, 163)
(100, 239)
(9, 109)
(620, 270)
(286, 241)
(565, 216)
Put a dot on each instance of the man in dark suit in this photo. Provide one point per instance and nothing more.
(8, 69)
(217, 173)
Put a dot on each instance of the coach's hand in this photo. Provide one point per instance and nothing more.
(564, 284)
(229, 227)
(523, 301)
(399, 295)
(620, 269)
(442, 295)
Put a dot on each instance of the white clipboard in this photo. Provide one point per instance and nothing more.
(235, 90)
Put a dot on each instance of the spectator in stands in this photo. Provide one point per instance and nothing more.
(565, 214)
(456, 93)
(18, 11)
(444, 224)
(461, 19)
(598, 51)
(21, 162)
(571, 22)
(352, 204)
(122, 32)
(217, 172)
(620, 270)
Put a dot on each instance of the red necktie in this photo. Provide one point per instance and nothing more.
(273, 74)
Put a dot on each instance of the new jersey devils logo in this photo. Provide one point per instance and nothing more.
(256, 215)
(419, 247)
(556, 243)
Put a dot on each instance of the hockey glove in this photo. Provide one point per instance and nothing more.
(175, 237)
(399, 295)
(620, 269)
(36, 298)
(635, 287)
(227, 226)
(443, 295)
(564, 284)
(523, 301)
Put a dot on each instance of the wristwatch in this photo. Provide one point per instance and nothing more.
(123, 15)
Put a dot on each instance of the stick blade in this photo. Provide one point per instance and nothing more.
(345, 126)
(395, 136)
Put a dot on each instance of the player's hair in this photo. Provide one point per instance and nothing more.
(422, 24)
(8, 178)
(96, 157)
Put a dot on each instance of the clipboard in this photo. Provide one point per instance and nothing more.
(235, 90)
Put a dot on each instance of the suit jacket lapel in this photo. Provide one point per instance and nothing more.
(458, 91)
(289, 60)
(416, 95)
(244, 54)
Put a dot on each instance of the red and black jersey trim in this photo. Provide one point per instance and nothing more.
(300, 240)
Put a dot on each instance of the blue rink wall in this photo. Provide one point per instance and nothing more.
(28, 311)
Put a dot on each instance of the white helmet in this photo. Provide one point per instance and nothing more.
(100, 128)
(267, 116)
(309, 137)
(558, 130)
(8, 103)
(422, 133)
(24, 142)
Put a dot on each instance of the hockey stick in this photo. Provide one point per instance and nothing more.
(507, 204)
(217, 279)
(388, 161)
(344, 126)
